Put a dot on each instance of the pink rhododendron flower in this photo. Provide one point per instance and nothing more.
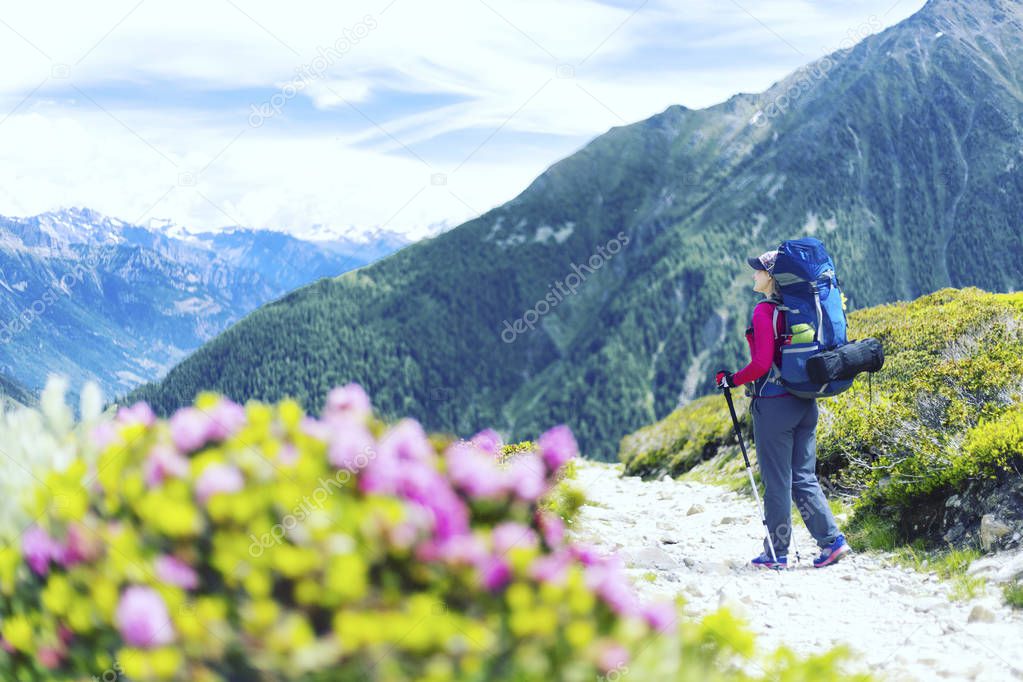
(552, 527)
(190, 429)
(349, 399)
(81, 546)
(423, 484)
(611, 657)
(451, 516)
(474, 471)
(660, 615)
(487, 440)
(586, 554)
(382, 475)
(49, 657)
(413, 529)
(315, 428)
(174, 571)
(527, 478)
(142, 618)
(218, 478)
(226, 419)
(551, 568)
(288, 454)
(164, 462)
(103, 434)
(613, 587)
(350, 445)
(465, 550)
(495, 573)
(511, 534)
(557, 445)
(402, 535)
(403, 463)
(39, 549)
(139, 413)
(407, 441)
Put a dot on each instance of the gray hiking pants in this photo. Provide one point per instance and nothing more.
(785, 434)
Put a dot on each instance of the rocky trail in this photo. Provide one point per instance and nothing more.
(689, 538)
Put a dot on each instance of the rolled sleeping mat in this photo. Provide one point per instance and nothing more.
(845, 362)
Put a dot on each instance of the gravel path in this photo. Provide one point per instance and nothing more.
(696, 540)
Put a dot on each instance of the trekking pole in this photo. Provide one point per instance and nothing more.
(749, 471)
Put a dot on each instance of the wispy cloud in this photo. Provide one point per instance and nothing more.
(146, 109)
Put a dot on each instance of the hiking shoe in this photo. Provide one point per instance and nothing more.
(766, 561)
(829, 555)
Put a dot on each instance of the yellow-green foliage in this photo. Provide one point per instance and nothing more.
(725, 469)
(869, 530)
(945, 408)
(993, 444)
(564, 499)
(1013, 593)
(689, 435)
(950, 564)
(509, 450)
(953, 360)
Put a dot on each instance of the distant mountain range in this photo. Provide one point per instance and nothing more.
(608, 292)
(13, 394)
(97, 298)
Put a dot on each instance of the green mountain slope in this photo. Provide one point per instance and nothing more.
(901, 153)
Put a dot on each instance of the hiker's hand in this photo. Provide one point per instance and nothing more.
(724, 379)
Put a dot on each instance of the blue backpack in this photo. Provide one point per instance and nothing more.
(810, 296)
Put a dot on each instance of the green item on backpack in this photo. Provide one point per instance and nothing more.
(802, 333)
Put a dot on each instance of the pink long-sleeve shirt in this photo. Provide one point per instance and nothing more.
(762, 344)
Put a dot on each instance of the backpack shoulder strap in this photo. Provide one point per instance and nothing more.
(776, 306)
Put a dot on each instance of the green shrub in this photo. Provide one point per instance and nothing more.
(872, 531)
(565, 500)
(1013, 592)
(689, 435)
(992, 445)
(953, 360)
(966, 587)
(946, 408)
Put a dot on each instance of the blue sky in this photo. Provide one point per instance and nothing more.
(359, 116)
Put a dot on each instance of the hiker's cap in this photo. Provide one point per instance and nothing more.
(764, 261)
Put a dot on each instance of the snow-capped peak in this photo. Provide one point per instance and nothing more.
(169, 228)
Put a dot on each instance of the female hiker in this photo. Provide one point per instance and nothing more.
(784, 430)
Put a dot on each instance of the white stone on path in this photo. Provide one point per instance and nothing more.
(981, 614)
